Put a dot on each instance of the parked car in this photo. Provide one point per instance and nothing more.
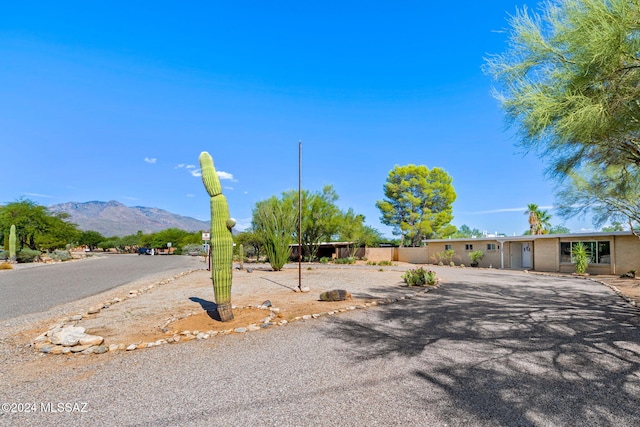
(144, 251)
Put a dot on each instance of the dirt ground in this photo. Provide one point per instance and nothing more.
(160, 310)
(155, 311)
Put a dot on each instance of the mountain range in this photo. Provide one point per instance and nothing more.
(115, 219)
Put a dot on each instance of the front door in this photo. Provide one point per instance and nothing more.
(526, 255)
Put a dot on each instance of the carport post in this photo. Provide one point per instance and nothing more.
(501, 253)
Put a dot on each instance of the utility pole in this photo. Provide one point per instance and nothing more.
(300, 216)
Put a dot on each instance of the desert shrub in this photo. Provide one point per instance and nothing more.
(324, 260)
(349, 260)
(581, 256)
(385, 262)
(60, 255)
(372, 263)
(6, 266)
(445, 256)
(27, 255)
(452, 264)
(420, 277)
(476, 257)
(193, 249)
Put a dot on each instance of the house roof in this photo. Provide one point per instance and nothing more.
(529, 238)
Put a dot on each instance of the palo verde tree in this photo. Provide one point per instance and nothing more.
(321, 217)
(609, 194)
(570, 82)
(353, 230)
(418, 203)
(36, 227)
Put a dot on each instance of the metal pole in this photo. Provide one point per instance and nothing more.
(300, 215)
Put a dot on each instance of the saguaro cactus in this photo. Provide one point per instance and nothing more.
(221, 238)
(241, 255)
(12, 243)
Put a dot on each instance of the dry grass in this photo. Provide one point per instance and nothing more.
(6, 266)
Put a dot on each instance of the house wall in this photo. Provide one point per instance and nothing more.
(418, 255)
(546, 255)
(381, 254)
(626, 254)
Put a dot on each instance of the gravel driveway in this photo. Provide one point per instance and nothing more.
(488, 348)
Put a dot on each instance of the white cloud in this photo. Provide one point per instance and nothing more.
(150, 160)
(44, 196)
(190, 166)
(191, 195)
(228, 188)
(196, 172)
(225, 175)
(180, 166)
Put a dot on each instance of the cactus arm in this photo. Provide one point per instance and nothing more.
(221, 238)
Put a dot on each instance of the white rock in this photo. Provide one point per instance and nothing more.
(131, 347)
(306, 317)
(67, 336)
(91, 340)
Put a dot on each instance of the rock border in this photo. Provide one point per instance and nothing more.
(44, 343)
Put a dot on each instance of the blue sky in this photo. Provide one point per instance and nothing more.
(115, 101)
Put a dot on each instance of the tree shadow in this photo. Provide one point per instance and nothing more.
(210, 307)
(536, 351)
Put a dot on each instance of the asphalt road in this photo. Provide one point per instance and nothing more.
(35, 289)
(489, 348)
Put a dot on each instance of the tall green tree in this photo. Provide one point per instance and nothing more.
(418, 203)
(570, 82)
(36, 227)
(90, 238)
(466, 232)
(251, 241)
(609, 194)
(321, 217)
(353, 230)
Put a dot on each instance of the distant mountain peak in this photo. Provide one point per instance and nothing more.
(113, 218)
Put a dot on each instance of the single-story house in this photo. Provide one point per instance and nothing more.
(611, 252)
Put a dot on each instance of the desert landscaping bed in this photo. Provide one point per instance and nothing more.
(181, 308)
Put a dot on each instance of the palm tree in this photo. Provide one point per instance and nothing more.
(539, 220)
(544, 222)
(534, 222)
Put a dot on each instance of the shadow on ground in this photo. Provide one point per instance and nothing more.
(209, 306)
(536, 351)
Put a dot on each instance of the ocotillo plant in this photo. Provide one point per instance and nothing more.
(221, 238)
(12, 243)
